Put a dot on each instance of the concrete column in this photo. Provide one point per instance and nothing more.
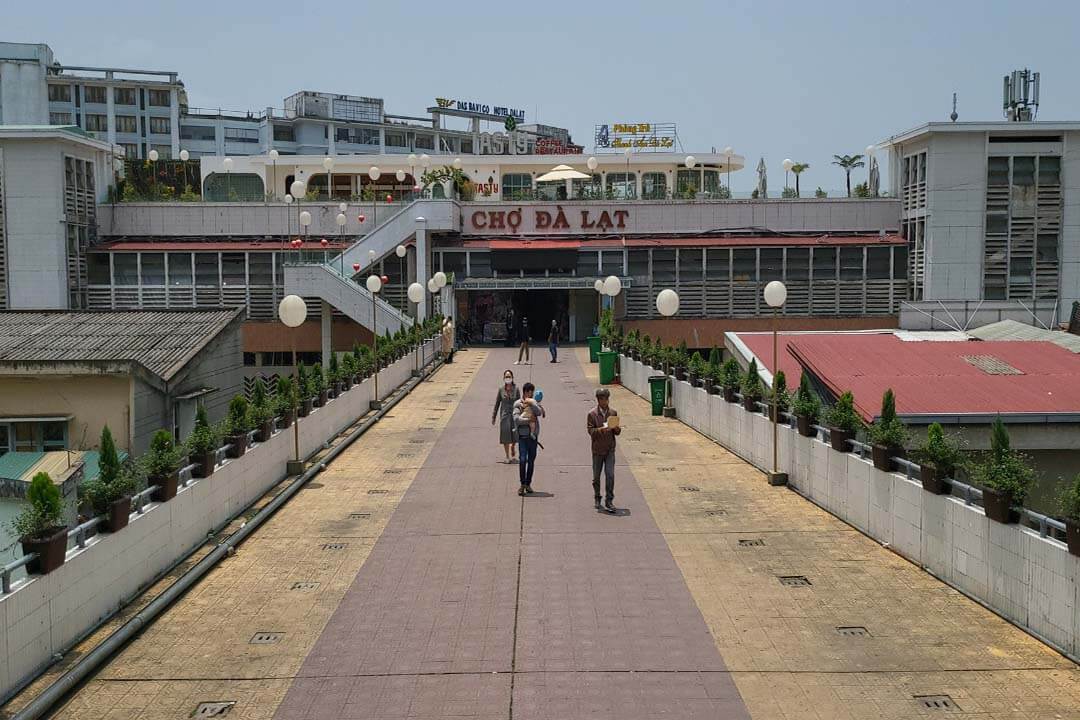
(174, 123)
(331, 143)
(110, 112)
(422, 265)
(326, 318)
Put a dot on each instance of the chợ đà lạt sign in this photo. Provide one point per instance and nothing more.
(546, 220)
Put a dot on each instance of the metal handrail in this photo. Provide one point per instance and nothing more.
(5, 572)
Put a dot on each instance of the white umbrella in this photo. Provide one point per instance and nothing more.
(563, 172)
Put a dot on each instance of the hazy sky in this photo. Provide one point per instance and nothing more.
(775, 79)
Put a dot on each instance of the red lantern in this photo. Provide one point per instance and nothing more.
(356, 267)
(324, 242)
(360, 218)
(385, 280)
(389, 198)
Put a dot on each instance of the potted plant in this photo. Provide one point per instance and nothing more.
(285, 401)
(887, 434)
(237, 425)
(1069, 505)
(202, 445)
(1004, 476)
(939, 457)
(162, 466)
(260, 414)
(109, 493)
(680, 360)
(752, 387)
(714, 377)
(807, 407)
(40, 526)
(348, 371)
(729, 378)
(317, 385)
(696, 369)
(843, 422)
(333, 375)
(782, 396)
(304, 388)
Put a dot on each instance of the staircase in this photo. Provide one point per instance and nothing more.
(325, 281)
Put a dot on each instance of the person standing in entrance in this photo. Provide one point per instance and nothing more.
(510, 327)
(553, 341)
(524, 350)
(602, 424)
(527, 412)
(504, 411)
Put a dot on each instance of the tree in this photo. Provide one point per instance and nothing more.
(861, 191)
(819, 193)
(849, 163)
(108, 457)
(797, 168)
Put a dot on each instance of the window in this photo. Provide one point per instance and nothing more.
(153, 268)
(480, 264)
(127, 124)
(97, 123)
(59, 118)
(160, 98)
(687, 183)
(160, 125)
(663, 264)
(197, 132)
(612, 262)
(588, 266)
(232, 269)
(59, 93)
(718, 264)
(24, 437)
(551, 190)
(453, 262)
(131, 150)
(425, 141)
(851, 263)
(654, 186)
(466, 145)
(877, 263)
(180, 268)
(798, 264)
(395, 139)
(126, 268)
(285, 133)
(638, 263)
(690, 264)
(98, 272)
(712, 183)
(357, 136)
(206, 269)
(587, 189)
(1049, 170)
(242, 135)
(365, 110)
(164, 151)
(997, 172)
(260, 269)
(900, 263)
(124, 96)
(824, 264)
(5, 439)
(95, 94)
(623, 186)
(516, 186)
(54, 435)
(772, 264)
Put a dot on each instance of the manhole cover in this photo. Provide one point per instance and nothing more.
(359, 516)
(378, 491)
(751, 542)
(266, 638)
(794, 580)
(937, 702)
(715, 513)
(689, 488)
(334, 546)
(304, 586)
(217, 708)
(852, 631)
(392, 471)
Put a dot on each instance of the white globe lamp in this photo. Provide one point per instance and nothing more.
(612, 286)
(305, 218)
(328, 163)
(592, 163)
(373, 283)
(288, 199)
(411, 159)
(788, 164)
(343, 206)
(456, 164)
(184, 155)
(598, 286)
(273, 154)
(292, 311)
(416, 293)
(373, 172)
(432, 286)
(341, 220)
(152, 155)
(400, 175)
(729, 151)
(775, 294)
(401, 251)
(691, 161)
(440, 279)
(298, 188)
(227, 163)
(667, 302)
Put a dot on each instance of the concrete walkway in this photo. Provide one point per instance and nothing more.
(410, 581)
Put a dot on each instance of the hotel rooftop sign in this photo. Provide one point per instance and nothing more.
(468, 108)
(636, 137)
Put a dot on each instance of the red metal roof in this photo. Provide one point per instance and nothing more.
(760, 344)
(227, 246)
(572, 243)
(934, 378)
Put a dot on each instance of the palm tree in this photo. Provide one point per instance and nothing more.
(848, 162)
(798, 168)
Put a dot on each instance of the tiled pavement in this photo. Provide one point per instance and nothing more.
(452, 597)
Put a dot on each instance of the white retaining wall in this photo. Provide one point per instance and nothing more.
(46, 614)
(1028, 579)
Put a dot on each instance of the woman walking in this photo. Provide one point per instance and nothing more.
(504, 410)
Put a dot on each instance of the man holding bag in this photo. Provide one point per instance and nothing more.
(602, 424)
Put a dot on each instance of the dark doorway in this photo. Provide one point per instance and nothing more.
(541, 307)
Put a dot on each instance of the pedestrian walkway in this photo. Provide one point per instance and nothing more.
(410, 581)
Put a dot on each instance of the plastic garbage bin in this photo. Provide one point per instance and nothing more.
(594, 348)
(607, 367)
(658, 393)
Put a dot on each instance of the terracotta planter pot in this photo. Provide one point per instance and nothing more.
(749, 404)
(932, 480)
(116, 517)
(204, 464)
(883, 456)
(266, 430)
(166, 486)
(239, 443)
(1072, 537)
(305, 407)
(839, 439)
(998, 506)
(729, 395)
(805, 425)
(50, 550)
(287, 419)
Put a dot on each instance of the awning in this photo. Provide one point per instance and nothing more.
(573, 243)
(37, 418)
(196, 393)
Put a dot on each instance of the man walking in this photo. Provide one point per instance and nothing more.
(527, 414)
(553, 341)
(602, 423)
(524, 349)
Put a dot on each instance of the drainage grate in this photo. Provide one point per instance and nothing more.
(304, 586)
(937, 702)
(793, 580)
(852, 631)
(751, 542)
(334, 546)
(665, 469)
(359, 516)
(647, 452)
(392, 471)
(266, 638)
(218, 708)
(715, 513)
(425, 427)
(405, 455)
(689, 488)
(378, 491)
(417, 441)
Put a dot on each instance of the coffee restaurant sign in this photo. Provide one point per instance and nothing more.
(546, 220)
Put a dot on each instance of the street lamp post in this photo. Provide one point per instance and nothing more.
(273, 177)
(787, 165)
(401, 251)
(341, 220)
(292, 311)
(298, 190)
(227, 163)
(775, 296)
(728, 152)
(416, 296)
(667, 304)
(328, 165)
(374, 173)
(374, 284)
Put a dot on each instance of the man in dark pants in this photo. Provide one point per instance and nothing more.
(527, 412)
(553, 341)
(602, 429)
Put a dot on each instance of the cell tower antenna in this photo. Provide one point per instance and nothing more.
(953, 115)
(1020, 95)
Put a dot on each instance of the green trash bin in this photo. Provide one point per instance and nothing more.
(594, 348)
(607, 367)
(658, 393)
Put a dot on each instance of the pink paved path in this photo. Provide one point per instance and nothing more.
(476, 603)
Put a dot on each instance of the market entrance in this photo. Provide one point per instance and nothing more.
(497, 316)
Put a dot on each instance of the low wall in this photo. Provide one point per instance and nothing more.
(47, 614)
(1028, 579)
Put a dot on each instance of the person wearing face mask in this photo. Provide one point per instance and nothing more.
(504, 410)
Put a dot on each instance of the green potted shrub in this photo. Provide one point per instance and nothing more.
(162, 466)
(752, 387)
(202, 445)
(730, 379)
(939, 458)
(40, 526)
(317, 385)
(305, 390)
(714, 376)
(260, 413)
(348, 371)
(1004, 476)
(237, 425)
(843, 422)
(109, 494)
(887, 435)
(1069, 506)
(285, 401)
(782, 396)
(696, 369)
(680, 360)
(333, 375)
(807, 408)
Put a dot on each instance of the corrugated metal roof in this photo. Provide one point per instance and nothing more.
(13, 465)
(1013, 330)
(163, 342)
(936, 378)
